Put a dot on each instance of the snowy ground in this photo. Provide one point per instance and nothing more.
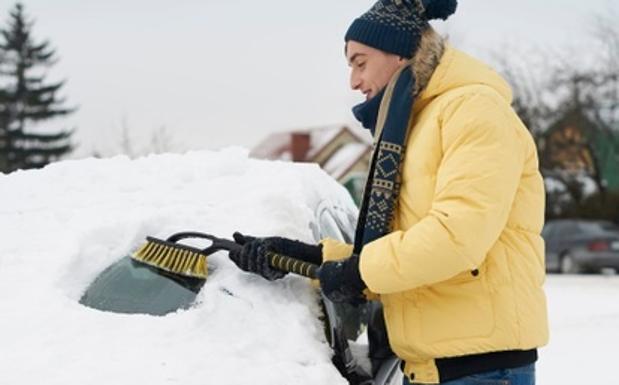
(60, 226)
(584, 331)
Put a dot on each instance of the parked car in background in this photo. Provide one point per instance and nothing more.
(581, 246)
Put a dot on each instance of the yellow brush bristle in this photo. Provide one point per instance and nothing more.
(151, 253)
(158, 257)
(201, 267)
(164, 260)
(175, 260)
(184, 263)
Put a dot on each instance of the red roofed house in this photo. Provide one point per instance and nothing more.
(341, 152)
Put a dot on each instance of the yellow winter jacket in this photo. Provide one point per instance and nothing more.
(462, 271)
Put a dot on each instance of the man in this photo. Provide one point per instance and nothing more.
(448, 236)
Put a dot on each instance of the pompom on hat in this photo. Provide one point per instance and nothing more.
(395, 26)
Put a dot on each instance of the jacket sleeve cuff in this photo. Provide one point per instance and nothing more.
(334, 250)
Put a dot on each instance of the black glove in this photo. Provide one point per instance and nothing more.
(253, 256)
(341, 281)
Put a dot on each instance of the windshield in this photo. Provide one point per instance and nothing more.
(129, 286)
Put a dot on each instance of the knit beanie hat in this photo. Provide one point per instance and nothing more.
(395, 26)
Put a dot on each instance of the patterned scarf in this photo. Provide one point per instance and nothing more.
(389, 126)
(367, 112)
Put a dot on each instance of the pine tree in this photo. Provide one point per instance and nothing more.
(26, 98)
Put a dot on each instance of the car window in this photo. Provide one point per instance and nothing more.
(328, 226)
(129, 286)
(335, 222)
(609, 226)
(347, 223)
(566, 229)
(596, 227)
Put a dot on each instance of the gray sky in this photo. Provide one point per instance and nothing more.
(228, 72)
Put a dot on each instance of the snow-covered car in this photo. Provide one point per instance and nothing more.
(77, 309)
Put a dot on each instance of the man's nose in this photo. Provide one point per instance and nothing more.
(355, 81)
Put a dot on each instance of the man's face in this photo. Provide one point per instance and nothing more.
(371, 69)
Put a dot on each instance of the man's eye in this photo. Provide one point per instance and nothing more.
(361, 65)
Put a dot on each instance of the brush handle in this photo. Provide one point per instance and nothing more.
(278, 261)
(216, 243)
(293, 265)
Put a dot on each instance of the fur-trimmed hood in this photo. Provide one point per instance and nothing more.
(454, 70)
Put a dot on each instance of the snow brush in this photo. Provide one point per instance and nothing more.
(189, 261)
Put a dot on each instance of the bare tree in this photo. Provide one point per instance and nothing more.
(527, 72)
(126, 144)
(161, 141)
(569, 98)
(606, 33)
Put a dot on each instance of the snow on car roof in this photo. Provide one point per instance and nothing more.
(62, 225)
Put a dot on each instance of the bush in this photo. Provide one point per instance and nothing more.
(601, 205)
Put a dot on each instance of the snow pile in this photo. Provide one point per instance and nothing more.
(61, 226)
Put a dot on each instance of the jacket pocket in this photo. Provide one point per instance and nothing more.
(457, 309)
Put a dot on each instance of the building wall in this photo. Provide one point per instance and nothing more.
(341, 139)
